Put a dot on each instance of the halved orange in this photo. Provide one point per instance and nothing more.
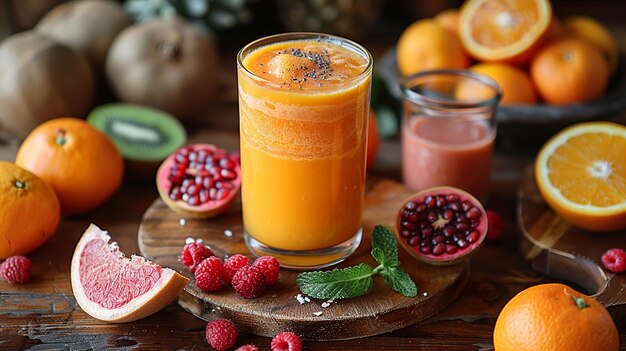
(581, 173)
(504, 30)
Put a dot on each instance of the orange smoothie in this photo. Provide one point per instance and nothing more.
(303, 107)
(448, 152)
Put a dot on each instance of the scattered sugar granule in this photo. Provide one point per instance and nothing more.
(425, 294)
(318, 313)
(325, 304)
(306, 298)
(300, 299)
(182, 222)
(228, 233)
(189, 241)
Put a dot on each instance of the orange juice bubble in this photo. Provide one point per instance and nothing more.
(303, 107)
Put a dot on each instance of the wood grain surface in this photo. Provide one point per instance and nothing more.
(161, 237)
(556, 248)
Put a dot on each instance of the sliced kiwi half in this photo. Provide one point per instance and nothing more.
(140, 133)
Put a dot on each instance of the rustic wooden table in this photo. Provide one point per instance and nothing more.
(43, 314)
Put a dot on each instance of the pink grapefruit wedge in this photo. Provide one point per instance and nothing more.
(113, 288)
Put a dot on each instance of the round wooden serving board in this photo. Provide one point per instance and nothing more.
(161, 238)
(556, 248)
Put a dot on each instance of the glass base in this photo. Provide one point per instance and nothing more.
(306, 260)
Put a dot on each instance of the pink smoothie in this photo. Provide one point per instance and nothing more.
(448, 152)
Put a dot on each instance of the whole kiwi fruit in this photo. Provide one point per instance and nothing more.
(87, 25)
(167, 64)
(41, 79)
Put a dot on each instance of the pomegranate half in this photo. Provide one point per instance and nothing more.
(441, 225)
(199, 180)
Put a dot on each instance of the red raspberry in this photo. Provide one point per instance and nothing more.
(193, 254)
(495, 229)
(232, 265)
(286, 341)
(209, 274)
(614, 260)
(269, 266)
(16, 269)
(221, 334)
(247, 348)
(249, 282)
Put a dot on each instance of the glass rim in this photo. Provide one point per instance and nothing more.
(293, 36)
(432, 102)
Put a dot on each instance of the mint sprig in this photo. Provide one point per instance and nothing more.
(357, 280)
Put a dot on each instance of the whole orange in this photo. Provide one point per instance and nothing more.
(449, 19)
(597, 34)
(425, 45)
(516, 85)
(80, 163)
(373, 140)
(570, 70)
(554, 317)
(29, 211)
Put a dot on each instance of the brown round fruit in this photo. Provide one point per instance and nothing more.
(167, 64)
(41, 79)
(441, 225)
(89, 26)
(199, 180)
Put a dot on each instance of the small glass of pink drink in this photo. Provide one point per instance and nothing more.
(449, 130)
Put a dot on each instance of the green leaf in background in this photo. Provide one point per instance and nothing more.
(338, 283)
(384, 240)
(399, 280)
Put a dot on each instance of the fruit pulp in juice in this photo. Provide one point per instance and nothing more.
(303, 109)
(439, 151)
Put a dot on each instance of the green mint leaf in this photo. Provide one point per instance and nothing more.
(399, 280)
(384, 240)
(380, 257)
(338, 283)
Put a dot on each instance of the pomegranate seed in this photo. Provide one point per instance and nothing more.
(439, 249)
(473, 237)
(473, 213)
(228, 174)
(201, 156)
(429, 202)
(448, 215)
(203, 196)
(431, 216)
(408, 225)
(405, 233)
(212, 193)
(411, 206)
(441, 201)
(453, 198)
(198, 180)
(448, 232)
(424, 224)
(185, 197)
(428, 231)
(462, 226)
(175, 194)
(193, 200)
(414, 241)
(454, 206)
(222, 194)
(193, 189)
(438, 239)
(451, 249)
(207, 182)
(466, 205)
(193, 156)
(420, 208)
(425, 249)
(461, 243)
(181, 158)
(227, 163)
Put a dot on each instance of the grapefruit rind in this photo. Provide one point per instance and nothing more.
(162, 293)
(594, 218)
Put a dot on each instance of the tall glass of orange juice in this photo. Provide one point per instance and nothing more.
(303, 111)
